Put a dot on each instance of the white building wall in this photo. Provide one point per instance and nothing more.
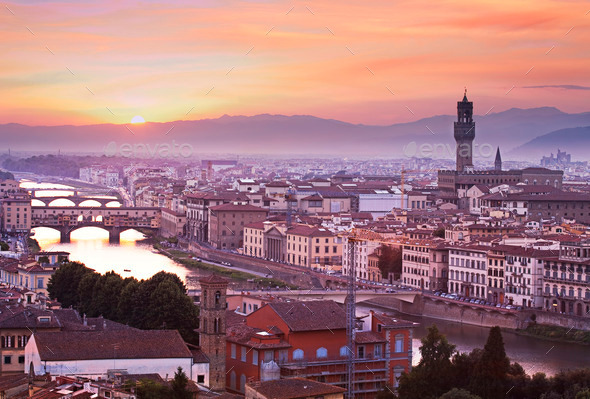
(201, 369)
(98, 368)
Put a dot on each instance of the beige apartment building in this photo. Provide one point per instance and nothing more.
(298, 244)
(16, 213)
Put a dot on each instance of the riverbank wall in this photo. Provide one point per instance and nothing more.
(460, 312)
(452, 311)
(270, 269)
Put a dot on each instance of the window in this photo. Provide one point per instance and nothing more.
(378, 351)
(39, 283)
(200, 377)
(297, 354)
(321, 353)
(7, 359)
(361, 352)
(283, 356)
(243, 354)
(397, 373)
(232, 379)
(217, 297)
(243, 383)
(268, 356)
(233, 351)
(255, 357)
(344, 351)
(399, 343)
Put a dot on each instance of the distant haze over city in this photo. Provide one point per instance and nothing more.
(531, 132)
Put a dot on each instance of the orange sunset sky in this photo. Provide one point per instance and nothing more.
(371, 62)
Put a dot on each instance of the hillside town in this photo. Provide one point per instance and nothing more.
(469, 241)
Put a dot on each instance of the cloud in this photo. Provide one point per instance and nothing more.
(564, 87)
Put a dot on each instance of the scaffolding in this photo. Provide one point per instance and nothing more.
(351, 313)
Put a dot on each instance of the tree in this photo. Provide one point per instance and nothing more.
(440, 232)
(390, 260)
(386, 393)
(459, 394)
(537, 385)
(43, 259)
(159, 302)
(171, 308)
(148, 389)
(490, 377)
(63, 284)
(179, 385)
(433, 375)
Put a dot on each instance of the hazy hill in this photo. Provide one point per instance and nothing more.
(299, 134)
(575, 141)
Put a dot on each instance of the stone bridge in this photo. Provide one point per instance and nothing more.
(338, 295)
(114, 220)
(77, 200)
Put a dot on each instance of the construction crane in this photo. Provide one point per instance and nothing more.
(351, 312)
(403, 180)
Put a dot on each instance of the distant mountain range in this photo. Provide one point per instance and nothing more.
(575, 140)
(308, 135)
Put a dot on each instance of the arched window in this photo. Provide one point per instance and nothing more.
(216, 326)
(243, 383)
(321, 353)
(344, 351)
(297, 354)
(217, 297)
(397, 373)
(232, 380)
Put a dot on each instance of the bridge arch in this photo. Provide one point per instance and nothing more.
(37, 202)
(114, 204)
(62, 202)
(89, 203)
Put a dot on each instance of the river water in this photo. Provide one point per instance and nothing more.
(130, 258)
(533, 354)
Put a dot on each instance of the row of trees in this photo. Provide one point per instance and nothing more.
(177, 388)
(482, 374)
(156, 303)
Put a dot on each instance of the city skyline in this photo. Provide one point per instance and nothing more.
(79, 63)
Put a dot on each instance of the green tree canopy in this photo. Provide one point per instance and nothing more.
(63, 284)
(179, 385)
(155, 303)
(490, 377)
(433, 375)
(390, 260)
(459, 394)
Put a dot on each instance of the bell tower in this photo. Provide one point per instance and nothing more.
(464, 134)
(212, 328)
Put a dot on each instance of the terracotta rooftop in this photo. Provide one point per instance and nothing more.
(295, 388)
(310, 315)
(89, 345)
(237, 208)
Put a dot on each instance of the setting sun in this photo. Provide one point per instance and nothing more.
(137, 119)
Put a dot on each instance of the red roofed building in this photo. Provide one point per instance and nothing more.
(308, 340)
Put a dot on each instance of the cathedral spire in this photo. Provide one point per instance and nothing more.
(498, 161)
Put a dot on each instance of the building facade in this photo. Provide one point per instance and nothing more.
(212, 328)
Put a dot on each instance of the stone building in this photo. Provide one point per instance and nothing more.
(454, 184)
(212, 327)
